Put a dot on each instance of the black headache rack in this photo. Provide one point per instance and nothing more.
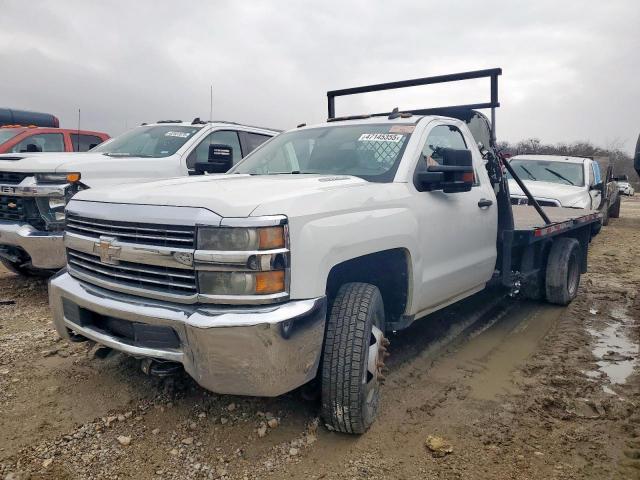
(461, 112)
(491, 73)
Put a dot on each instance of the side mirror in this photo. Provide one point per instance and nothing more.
(597, 186)
(453, 176)
(220, 160)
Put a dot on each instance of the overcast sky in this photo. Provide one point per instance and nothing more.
(571, 69)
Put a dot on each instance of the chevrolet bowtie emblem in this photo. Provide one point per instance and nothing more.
(107, 250)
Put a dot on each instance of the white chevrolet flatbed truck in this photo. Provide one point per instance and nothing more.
(294, 266)
(35, 187)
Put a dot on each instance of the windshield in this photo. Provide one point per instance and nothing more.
(149, 141)
(8, 133)
(554, 172)
(371, 152)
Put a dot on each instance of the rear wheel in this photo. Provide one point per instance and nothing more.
(353, 357)
(615, 210)
(563, 271)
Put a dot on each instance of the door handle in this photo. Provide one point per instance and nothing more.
(483, 202)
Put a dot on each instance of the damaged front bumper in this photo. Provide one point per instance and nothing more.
(45, 249)
(258, 351)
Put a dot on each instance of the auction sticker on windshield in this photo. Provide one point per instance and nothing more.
(380, 137)
(177, 134)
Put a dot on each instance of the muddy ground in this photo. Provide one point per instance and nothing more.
(518, 389)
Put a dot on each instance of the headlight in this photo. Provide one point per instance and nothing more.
(57, 177)
(242, 283)
(241, 239)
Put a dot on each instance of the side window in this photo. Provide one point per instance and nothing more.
(254, 140)
(42, 142)
(224, 137)
(83, 143)
(592, 175)
(442, 136)
(596, 172)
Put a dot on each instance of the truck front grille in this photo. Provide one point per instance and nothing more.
(12, 178)
(131, 276)
(175, 236)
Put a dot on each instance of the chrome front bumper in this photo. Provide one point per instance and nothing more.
(46, 249)
(259, 351)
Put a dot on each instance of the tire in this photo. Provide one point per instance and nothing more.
(353, 352)
(615, 210)
(562, 278)
(595, 228)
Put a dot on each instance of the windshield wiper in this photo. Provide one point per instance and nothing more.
(561, 177)
(526, 170)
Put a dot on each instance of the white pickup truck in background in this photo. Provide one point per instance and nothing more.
(35, 188)
(293, 267)
(564, 181)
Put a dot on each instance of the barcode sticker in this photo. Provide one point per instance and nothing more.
(177, 134)
(380, 137)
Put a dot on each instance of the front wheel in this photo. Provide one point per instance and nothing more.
(353, 356)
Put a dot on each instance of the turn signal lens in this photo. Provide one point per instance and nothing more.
(73, 177)
(271, 237)
(241, 283)
(269, 282)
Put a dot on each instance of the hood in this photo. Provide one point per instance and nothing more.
(227, 195)
(48, 161)
(567, 195)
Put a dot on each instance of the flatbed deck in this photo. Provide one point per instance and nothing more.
(529, 226)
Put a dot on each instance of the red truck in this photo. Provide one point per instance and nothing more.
(19, 139)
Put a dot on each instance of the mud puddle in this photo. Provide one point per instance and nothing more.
(614, 349)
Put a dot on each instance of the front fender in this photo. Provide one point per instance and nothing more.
(321, 243)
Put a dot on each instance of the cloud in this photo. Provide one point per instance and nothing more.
(570, 68)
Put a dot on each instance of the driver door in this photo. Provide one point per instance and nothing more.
(457, 231)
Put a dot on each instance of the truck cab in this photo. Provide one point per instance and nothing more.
(35, 187)
(31, 139)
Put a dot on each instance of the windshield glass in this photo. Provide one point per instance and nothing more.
(148, 141)
(371, 152)
(554, 172)
(8, 133)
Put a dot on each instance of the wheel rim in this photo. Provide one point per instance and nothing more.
(573, 276)
(373, 376)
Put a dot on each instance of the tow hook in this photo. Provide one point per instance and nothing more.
(157, 368)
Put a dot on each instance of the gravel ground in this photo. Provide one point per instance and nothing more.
(494, 388)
